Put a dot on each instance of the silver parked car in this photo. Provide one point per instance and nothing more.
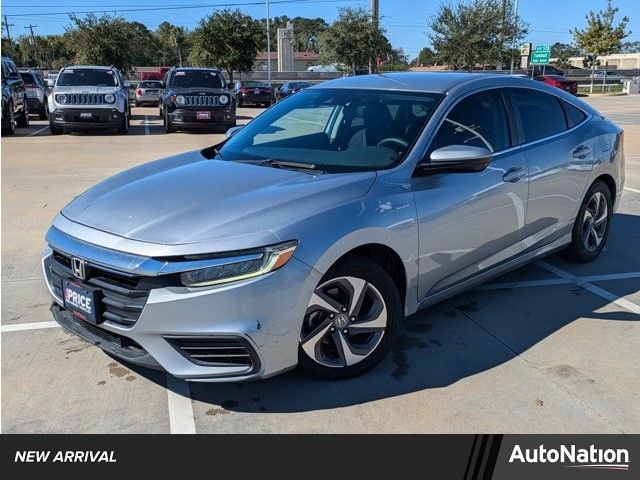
(308, 235)
(148, 92)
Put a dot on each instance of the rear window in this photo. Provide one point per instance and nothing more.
(87, 77)
(540, 113)
(253, 84)
(27, 77)
(149, 84)
(574, 114)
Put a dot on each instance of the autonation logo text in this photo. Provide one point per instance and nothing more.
(574, 457)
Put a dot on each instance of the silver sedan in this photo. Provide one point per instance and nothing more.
(309, 234)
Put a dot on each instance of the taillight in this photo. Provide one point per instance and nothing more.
(555, 83)
(244, 90)
(139, 92)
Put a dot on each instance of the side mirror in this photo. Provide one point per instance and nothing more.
(127, 84)
(50, 82)
(457, 159)
(14, 76)
(233, 130)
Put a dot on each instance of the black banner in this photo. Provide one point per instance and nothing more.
(466, 457)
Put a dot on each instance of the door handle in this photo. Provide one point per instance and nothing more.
(513, 174)
(581, 152)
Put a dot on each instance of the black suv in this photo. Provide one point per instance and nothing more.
(14, 98)
(37, 92)
(196, 98)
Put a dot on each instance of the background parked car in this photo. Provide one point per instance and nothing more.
(37, 91)
(607, 75)
(252, 92)
(560, 82)
(148, 91)
(544, 70)
(290, 88)
(15, 110)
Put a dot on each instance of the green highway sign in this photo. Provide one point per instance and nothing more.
(541, 55)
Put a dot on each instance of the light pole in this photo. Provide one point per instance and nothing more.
(268, 44)
(513, 42)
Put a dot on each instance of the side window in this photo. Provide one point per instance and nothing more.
(479, 120)
(574, 114)
(540, 113)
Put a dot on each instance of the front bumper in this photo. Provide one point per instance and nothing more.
(100, 117)
(264, 314)
(183, 117)
(148, 98)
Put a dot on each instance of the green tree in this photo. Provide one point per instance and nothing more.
(630, 47)
(479, 32)
(229, 39)
(110, 40)
(565, 49)
(600, 36)
(173, 44)
(426, 57)
(352, 39)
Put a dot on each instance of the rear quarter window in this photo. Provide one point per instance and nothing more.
(575, 116)
(540, 113)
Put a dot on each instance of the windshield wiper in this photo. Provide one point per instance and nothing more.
(271, 162)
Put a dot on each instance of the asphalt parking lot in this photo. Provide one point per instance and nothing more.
(552, 347)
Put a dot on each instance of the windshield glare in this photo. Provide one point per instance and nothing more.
(197, 79)
(87, 77)
(338, 130)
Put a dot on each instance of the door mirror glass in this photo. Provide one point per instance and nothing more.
(457, 159)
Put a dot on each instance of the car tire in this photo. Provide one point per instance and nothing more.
(44, 111)
(591, 227)
(54, 129)
(23, 120)
(168, 126)
(11, 128)
(137, 103)
(123, 128)
(345, 333)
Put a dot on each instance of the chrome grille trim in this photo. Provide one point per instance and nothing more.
(202, 101)
(85, 98)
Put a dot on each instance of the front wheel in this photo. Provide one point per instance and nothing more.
(11, 121)
(44, 111)
(591, 228)
(23, 120)
(123, 128)
(55, 130)
(168, 125)
(351, 320)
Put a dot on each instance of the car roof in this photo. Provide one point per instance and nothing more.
(93, 67)
(434, 82)
(198, 68)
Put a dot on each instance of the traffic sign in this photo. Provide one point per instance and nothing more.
(541, 55)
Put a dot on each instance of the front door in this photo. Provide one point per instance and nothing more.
(469, 222)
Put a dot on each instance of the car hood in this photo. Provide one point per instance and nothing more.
(189, 199)
(197, 91)
(85, 89)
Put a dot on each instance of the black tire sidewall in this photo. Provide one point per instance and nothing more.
(361, 267)
(577, 250)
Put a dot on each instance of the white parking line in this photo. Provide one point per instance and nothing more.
(146, 124)
(33, 134)
(18, 327)
(180, 406)
(612, 297)
(634, 190)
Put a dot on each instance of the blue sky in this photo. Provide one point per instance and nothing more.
(405, 20)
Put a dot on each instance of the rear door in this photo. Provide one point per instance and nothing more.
(469, 222)
(560, 156)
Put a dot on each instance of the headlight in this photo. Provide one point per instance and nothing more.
(180, 99)
(223, 100)
(241, 267)
(109, 98)
(62, 98)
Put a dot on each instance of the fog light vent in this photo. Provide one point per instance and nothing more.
(216, 351)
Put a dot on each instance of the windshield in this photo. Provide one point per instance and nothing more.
(87, 77)
(147, 84)
(27, 77)
(197, 79)
(337, 130)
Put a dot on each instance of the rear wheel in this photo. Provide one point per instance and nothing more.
(591, 228)
(350, 322)
(23, 120)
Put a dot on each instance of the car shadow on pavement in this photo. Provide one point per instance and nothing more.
(436, 347)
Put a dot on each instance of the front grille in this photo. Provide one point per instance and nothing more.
(123, 296)
(202, 100)
(85, 99)
(216, 351)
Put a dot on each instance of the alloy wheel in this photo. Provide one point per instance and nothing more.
(594, 222)
(344, 323)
